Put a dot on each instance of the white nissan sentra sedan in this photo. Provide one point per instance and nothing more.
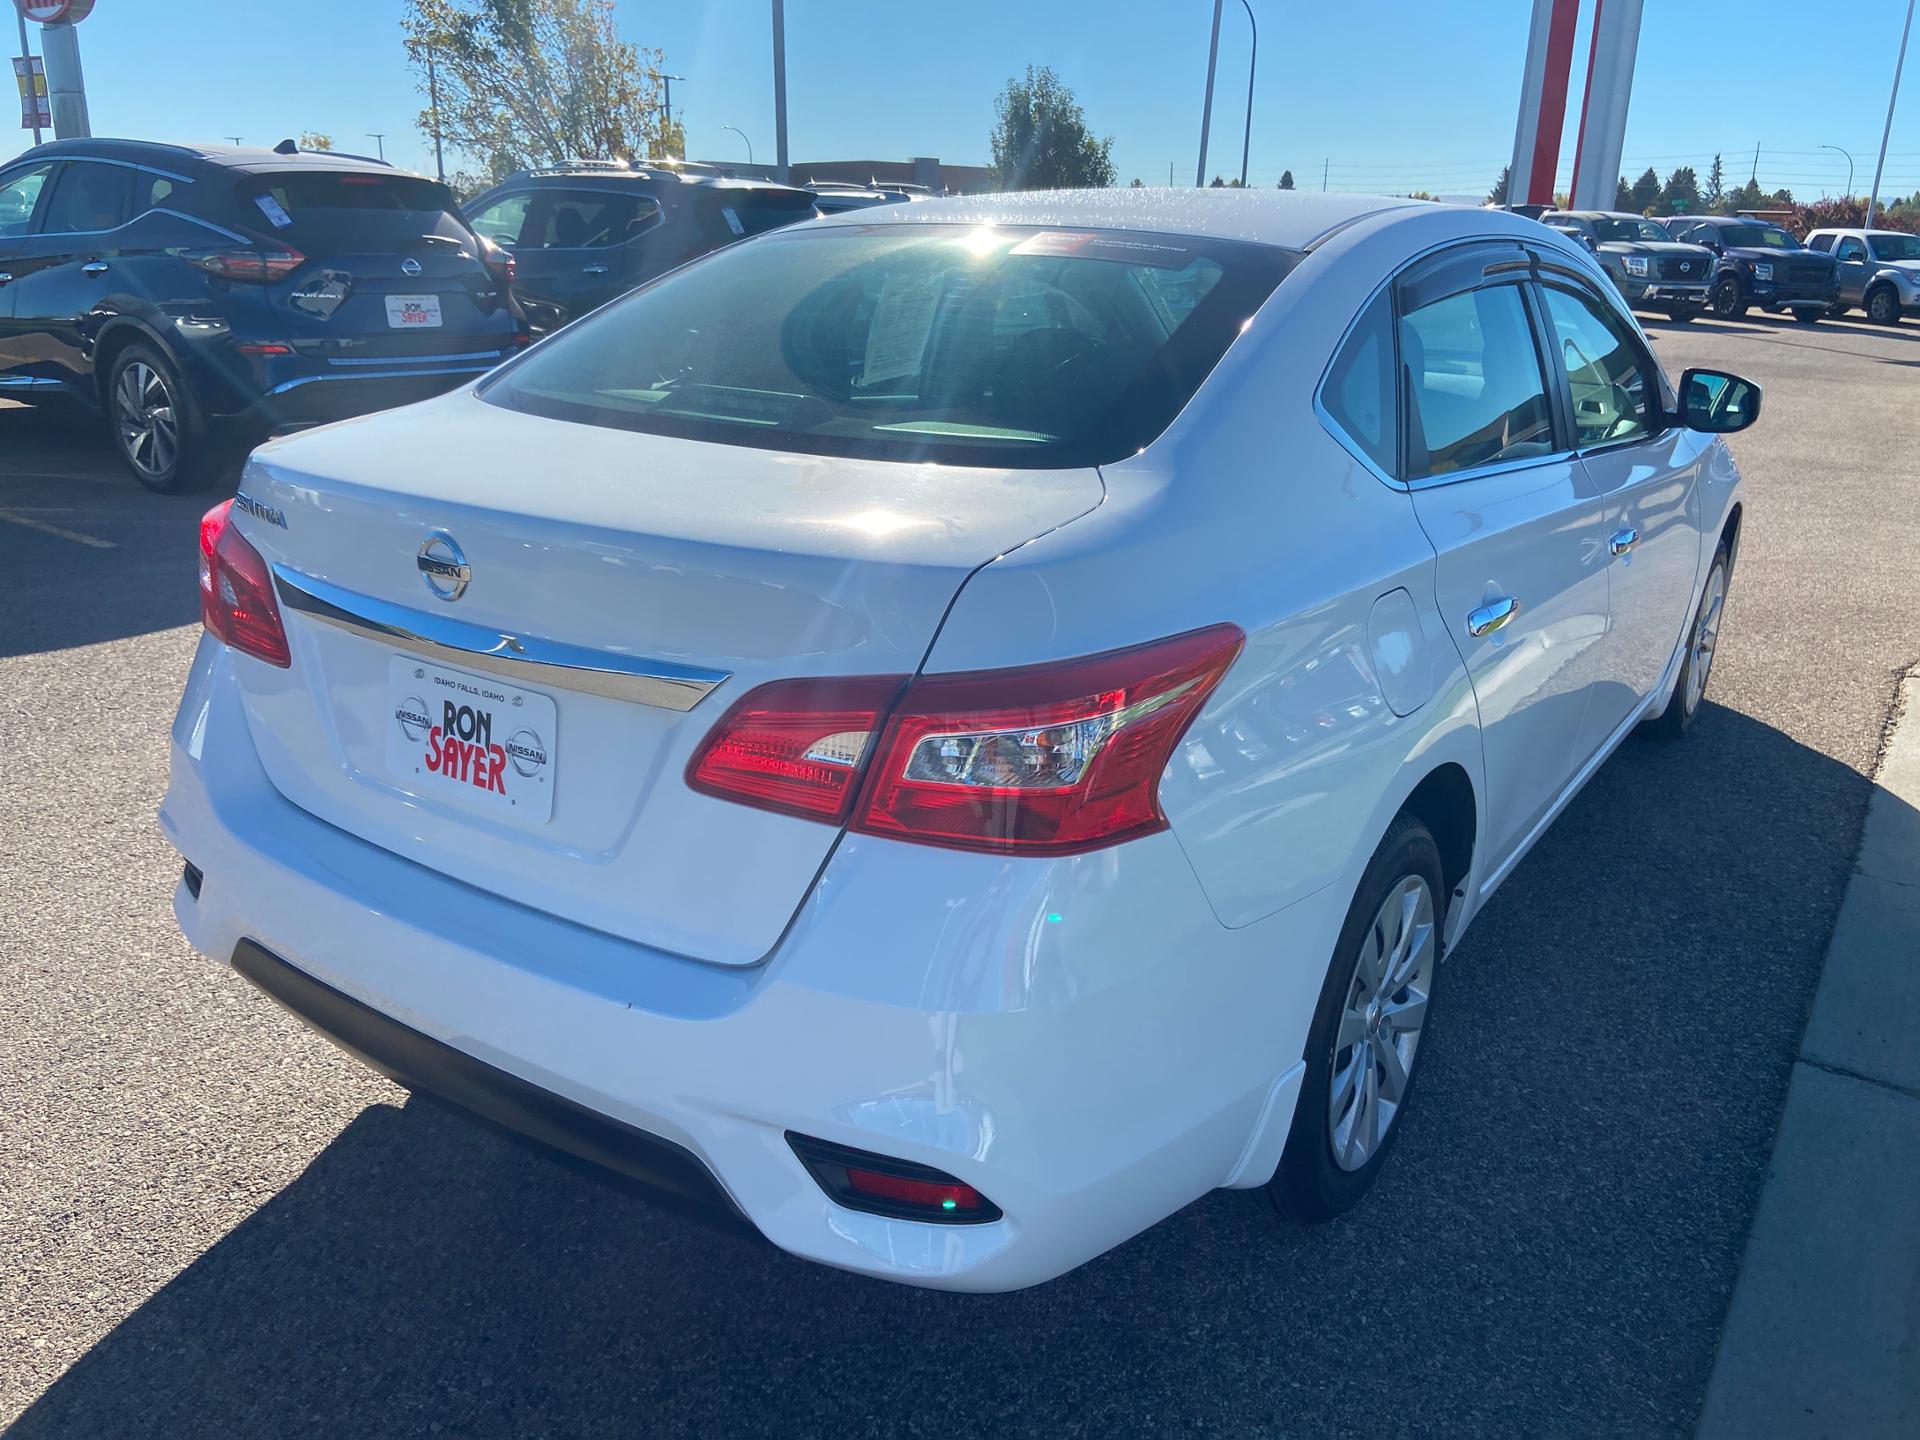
(951, 731)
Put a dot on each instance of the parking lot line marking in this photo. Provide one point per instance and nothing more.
(13, 517)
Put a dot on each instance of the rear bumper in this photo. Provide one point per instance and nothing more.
(1079, 1039)
(424, 1064)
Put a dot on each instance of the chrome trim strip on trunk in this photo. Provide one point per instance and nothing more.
(521, 659)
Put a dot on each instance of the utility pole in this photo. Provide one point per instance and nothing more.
(379, 138)
(26, 57)
(1246, 140)
(1754, 178)
(780, 171)
(1206, 115)
(1169, 174)
(433, 108)
(1873, 200)
(1325, 165)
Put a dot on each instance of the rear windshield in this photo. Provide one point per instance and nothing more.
(351, 211)
(969, 345)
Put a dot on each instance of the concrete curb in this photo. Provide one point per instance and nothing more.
(1823, 1335)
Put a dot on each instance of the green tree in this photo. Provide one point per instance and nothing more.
(1498, 195)
(1746, 197)
(1646, 191)
(1286, 180)
(1217, 183)
(1681, 194)
(1135, 183)
(537, 82)
(1716, 192)
(315, 140)
(1622, 194)
(1040, 138)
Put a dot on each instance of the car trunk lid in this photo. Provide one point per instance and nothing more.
(606, 549)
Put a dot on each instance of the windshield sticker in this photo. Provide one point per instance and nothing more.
(902, 320)
(733, 220)
(271, 208)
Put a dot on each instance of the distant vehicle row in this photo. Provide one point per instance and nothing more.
(205, 297)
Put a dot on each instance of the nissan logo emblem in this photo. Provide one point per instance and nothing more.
(409, 266)
(443, 566)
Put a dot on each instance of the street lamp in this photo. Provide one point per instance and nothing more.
(666, 136)
(1206, 113)
(1873, 200)
(379, 138)
(1246, 140)
(743, 135)
(1849, 168)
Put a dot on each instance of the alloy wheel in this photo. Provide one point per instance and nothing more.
(148, 425)
(1381, 1022)
(1706, 634)
(1882, 309)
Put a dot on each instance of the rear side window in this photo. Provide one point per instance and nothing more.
(19, 193)
(150, 190)
(88, 196)
(351, 212)
(1011, 346)
(1476, 394)
(1358, 392)
(1822, 243)
(587, 219)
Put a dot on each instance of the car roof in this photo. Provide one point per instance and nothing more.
(589, 175)
(248, 159)
(1598, 215)
(1290, 218)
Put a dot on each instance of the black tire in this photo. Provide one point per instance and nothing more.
(1682, 314)
(1728, 298)
(156, 423)
(1883, 305)
(1684, 705)
(1312, 1184)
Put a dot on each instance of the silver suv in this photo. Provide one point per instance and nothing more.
(1879, 271)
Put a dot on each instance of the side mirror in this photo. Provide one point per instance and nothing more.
(1717, 403)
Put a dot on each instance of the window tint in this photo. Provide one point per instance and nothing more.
(19, 193)
(587, 219)
(1851, 249)
(501, 221)
(1005, 346)
(352, 212)
(1358, 393)
(89, 197)
(1475, 391)
(1822, 243)
(1608, 378)
(150, 190)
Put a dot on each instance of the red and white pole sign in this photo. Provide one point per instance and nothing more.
(55, 12)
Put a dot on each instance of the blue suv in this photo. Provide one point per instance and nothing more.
(205, 297)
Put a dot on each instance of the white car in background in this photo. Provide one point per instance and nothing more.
(953, 730)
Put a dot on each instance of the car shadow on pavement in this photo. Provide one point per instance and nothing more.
(1550, 1249)
(93, 555)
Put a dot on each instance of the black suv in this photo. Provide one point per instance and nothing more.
(1760, 264)
(201, 295)
(582, 233)
(1650, 269)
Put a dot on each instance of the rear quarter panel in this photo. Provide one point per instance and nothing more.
(1247, 510)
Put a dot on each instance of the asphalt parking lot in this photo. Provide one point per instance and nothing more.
(213, 1223)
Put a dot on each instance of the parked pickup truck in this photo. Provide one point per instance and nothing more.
(1879, 271)
(1760, 265)
(1650, 269)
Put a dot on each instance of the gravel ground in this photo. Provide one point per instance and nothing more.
(212, 1223)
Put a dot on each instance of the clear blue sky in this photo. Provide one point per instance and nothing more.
(1396, 94)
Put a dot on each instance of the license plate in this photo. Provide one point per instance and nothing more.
(413, 312)
(470, 740)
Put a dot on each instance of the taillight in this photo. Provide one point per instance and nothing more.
(884, 1185)
(253, 267)
(796, 745)
(1043, 760)
(236, 593)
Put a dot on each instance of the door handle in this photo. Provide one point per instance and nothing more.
(94, 267)
(593, 270)
(1495, 615)
(1622, 542)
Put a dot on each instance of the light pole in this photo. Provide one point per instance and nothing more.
(1246, 140)
(433, 106)
(1873, 200)
(780, 172)
(666, 137)
(743, 135)
(234, 138)
(379, 138)
(1206, 115)
(1849, 168)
